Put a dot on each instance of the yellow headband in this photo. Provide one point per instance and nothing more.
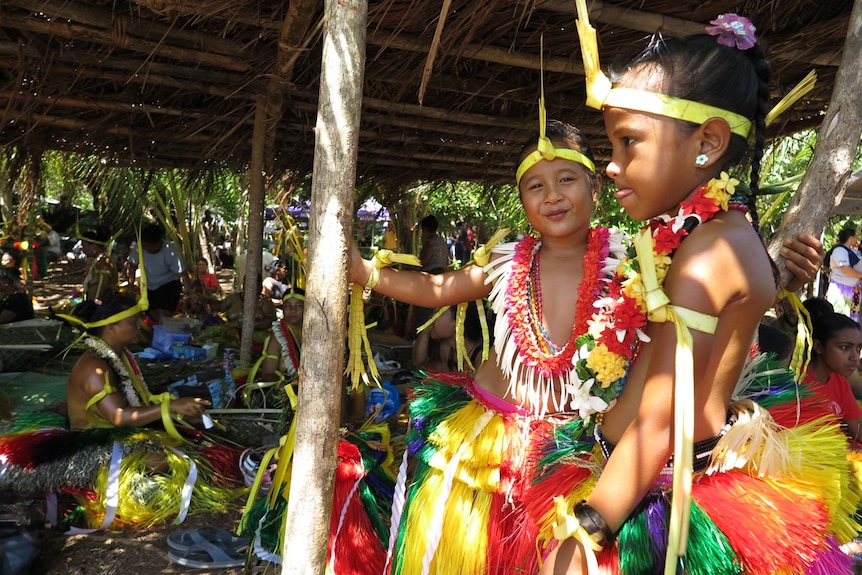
(545, 149)
(601, 94)
(293, 295)
(142, 305)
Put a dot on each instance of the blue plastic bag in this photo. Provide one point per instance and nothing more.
(385, 398)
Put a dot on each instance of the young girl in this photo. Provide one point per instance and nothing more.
(678, 116)
(473, 437)
(835, 357)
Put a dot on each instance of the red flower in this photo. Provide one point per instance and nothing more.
(700, 205)
(667, 240)
(628, 315)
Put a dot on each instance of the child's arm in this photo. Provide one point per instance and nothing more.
(715, 272)
(419, 288)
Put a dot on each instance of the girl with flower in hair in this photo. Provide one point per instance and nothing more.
(566, 332)
(692, 480)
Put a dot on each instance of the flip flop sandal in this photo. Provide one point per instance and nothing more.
(185, 539)
(208, 555)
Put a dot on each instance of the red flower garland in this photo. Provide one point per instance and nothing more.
(526, 329)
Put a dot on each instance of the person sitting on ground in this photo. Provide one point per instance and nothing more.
(232, 308)
(435, 348)
(209, 280)
(105, 388)
(100, 278)
(15, 303)
(837, 345)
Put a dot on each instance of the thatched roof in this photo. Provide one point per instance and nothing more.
(174, 82)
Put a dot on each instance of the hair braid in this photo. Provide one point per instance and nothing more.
(763, 73)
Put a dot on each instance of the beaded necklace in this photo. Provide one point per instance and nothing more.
(541, 372)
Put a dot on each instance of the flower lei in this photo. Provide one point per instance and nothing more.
(104, 351)
(289, 349)
(718, 195)
(605, 333)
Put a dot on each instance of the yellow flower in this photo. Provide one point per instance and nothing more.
(634, 288)
(721, 189)
(662, 264)
(608, 366)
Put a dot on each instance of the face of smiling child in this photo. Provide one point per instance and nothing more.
(558, 197)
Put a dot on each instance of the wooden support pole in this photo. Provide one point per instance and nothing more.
(324, 327)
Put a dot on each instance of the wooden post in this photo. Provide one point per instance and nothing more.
(324, 327)
(823, 186)
(254, 247)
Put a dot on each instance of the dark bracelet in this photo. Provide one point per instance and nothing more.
(594, 524)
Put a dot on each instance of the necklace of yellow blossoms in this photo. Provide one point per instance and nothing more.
(717, 195)
(104, 351)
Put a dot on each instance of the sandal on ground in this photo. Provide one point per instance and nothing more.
(187, 538)
(208, 555)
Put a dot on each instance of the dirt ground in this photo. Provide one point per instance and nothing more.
(113, 553)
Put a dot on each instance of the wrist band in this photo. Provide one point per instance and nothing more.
(374, 278)
(594, 524)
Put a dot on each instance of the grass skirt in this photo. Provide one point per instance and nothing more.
(473, 464)
(777, 499)
(109, 473)
(362, 497)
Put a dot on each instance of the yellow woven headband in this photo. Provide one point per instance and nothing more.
(601, 94)
(545, 149)
(142, 305)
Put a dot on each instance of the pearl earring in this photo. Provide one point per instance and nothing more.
(701, 160)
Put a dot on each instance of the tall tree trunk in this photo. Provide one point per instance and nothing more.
(254, 247)
(324, 328)
(823, 187)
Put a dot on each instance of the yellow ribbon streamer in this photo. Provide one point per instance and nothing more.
(357, 333)
(482, 254)
(567, 525)
(659, 310)
(803, 344)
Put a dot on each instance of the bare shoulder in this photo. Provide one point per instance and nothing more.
(723, 261)
(88, 373)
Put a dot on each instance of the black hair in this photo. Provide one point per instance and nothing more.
(828, 325)
(91, 311)
(15, 255)
(98, 233)
(845, 235)
(12, 275)
(152, 233)
(699, 69)
(430, 223)
(558, 131)
(818, 307)
(773, 340)
(294, 290)
(472, 323)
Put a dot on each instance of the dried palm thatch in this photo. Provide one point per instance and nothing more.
(174, 83)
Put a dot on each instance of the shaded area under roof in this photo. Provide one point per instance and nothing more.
(173, 83)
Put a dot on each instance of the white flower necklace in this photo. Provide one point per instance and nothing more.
(104, 351)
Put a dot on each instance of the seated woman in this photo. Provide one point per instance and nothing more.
(835, 357)
(15, 303)
(209, 280)
(105, 388)
(281, 354)
(233, 305)
(116, 466)
(275, 286)
(435, 348)
(101, 276)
